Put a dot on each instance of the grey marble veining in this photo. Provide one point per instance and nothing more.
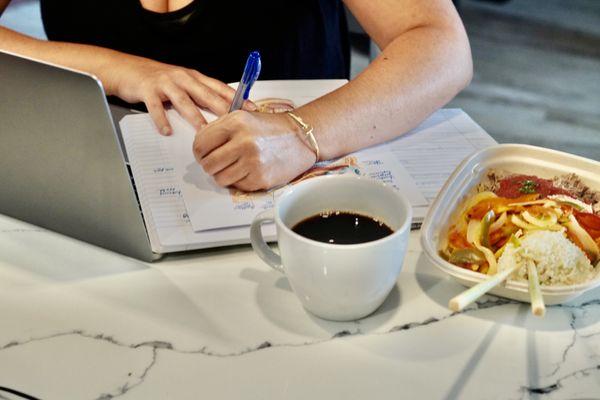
(137, 378)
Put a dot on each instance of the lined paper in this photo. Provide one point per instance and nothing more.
(432, 151)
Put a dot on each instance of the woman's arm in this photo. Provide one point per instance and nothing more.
(132, 78)
(425, 62)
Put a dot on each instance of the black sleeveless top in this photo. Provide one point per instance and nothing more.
(297, 38)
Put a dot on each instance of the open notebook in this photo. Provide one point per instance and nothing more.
(184, 210)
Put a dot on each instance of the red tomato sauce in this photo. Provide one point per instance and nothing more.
(518, 185)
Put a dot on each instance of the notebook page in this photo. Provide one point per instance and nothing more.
(475, 134)
(434, 149)
(163, 208)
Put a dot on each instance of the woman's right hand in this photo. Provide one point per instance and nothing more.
(155, 83)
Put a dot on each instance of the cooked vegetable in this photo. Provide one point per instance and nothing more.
(473, 201)
(545, 220)
(544, 202)
(486, 222)
(530, 227)
(474, 231)
(570, 201)
(499, 223)
(474, 237)
(467, 256)
(589, 246)
(490, 258)
(513, 240)
(520, 223)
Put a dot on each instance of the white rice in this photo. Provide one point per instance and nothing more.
(558, 260)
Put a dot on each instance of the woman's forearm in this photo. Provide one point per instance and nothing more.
(94, 60)
(417, 73)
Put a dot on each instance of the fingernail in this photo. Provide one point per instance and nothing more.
(166, 130)
(252, 106)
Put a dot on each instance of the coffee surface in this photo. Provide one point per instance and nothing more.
(342, 227)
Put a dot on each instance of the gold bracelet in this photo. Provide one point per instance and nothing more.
(307, 129)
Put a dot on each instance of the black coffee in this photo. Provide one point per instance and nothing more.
(342, 227)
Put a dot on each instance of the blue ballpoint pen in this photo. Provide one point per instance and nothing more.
(251, 72)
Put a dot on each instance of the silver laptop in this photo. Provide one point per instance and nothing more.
(61, 163)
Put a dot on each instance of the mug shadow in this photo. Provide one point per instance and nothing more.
(279, 305)
(440, 288)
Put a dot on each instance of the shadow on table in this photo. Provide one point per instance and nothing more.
(467, 370)
(280, 306)
(440, 288)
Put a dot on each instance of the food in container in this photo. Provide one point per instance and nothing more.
(510, 219)
(515, 204)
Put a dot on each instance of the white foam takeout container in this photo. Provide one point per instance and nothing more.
(519, 159)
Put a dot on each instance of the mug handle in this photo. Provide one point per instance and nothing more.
(258, 241)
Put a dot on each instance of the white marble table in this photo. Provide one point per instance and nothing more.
(78, 322)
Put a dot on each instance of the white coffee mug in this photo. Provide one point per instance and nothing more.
(333, 281)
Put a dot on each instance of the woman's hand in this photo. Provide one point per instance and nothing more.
(155, 83)
(252, 151)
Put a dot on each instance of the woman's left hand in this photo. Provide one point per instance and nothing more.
(252, 151)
